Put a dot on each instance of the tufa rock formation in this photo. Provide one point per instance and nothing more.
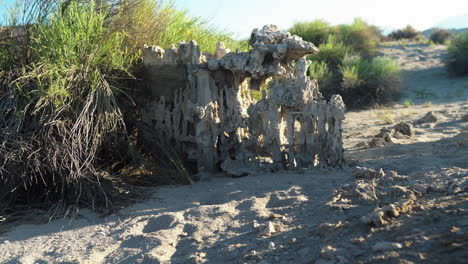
(201, 104)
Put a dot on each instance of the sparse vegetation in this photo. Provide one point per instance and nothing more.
(316, 31)
(346, 63)
(407, 32)
(370, 82)
(387, 116)
(458, 55)
(407, 103)
(362, 37)
(441, 36)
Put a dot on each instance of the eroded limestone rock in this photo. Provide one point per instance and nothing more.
(208, 116)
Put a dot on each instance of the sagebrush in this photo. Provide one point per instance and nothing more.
(441, 36)
(458, 55)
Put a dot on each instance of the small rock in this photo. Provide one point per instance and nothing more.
(420, 188)
(422, 256)
(405, 129)
(376, 218)
(399, 135)
(377, 142)
(276, 216)
(367, 173)
(202, 254)
(293, 240)
(328, 227)
(252, 255)
(269, 229)
(328, 252)
(271, 245)
(303, 252)
(386, 246)
(391, 210)
(358, 240)
(256, 225)
(428, 118)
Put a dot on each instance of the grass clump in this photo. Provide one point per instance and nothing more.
(320, 71)
(387, 116)
(332, 52)
(347, 62)
(407, 103)
(458, 55)
(441, 36)
(316, 31)
(407, 32)
(367, 82)
(182, 27)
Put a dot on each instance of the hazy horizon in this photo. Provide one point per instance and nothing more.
(240, 18)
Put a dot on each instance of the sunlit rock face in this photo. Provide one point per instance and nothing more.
(201, 103)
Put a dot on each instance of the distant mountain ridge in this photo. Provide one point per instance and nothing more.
(426, 33)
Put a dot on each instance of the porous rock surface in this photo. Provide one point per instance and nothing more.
(201, 103)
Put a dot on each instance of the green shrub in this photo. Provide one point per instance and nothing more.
(182, 27)
(458, 55)
(441, 36)
(320, 72)
(316, 31)
(332, 52)
(367, 82)
(362, 37)
(406, 33)
(63, 118)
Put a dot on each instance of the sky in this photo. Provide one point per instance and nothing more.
(241, 16)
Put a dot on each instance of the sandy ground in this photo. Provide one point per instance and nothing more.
(413, 211)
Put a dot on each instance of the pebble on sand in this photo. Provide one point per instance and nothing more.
(385, 246)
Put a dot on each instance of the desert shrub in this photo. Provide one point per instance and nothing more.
(182, 27)
(362, 37)
(61, 121)
(367, 82)
(441, 36)
(320, 72)
(332, 52)
(316, 31)
(458, 55)
(407, 32)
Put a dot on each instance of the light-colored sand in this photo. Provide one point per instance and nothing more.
(318, 213)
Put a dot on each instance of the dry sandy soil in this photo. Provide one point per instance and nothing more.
(413, 211)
